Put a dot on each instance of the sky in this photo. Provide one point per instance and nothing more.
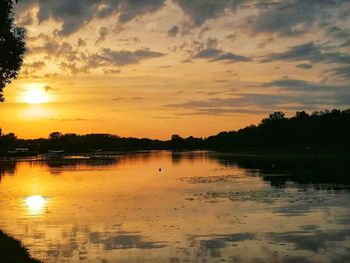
(153, 68)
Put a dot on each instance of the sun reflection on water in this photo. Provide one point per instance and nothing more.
(36, 204)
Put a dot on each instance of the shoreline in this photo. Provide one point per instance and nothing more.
(250, 153)
(12, 251)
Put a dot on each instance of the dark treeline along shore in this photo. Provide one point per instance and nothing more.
(319, 131)
(12, 251)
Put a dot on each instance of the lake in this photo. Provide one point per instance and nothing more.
(162, 206)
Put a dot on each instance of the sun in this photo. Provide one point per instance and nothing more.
(35, 95)
(35, 204)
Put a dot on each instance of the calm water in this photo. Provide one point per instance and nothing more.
(201, 207)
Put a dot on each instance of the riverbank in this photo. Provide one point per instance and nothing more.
(12, 251)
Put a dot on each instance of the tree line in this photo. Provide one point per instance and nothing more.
(317, 131)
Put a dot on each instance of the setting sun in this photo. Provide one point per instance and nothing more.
(35, 204)
(35, 95)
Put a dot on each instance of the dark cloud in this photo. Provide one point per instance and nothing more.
(341, 72)
(81, 42)
(302, 85)
(304, 66)
(284, 17)
(340, 34)
(212, 43)
(314, 94)
(292, 84)
(261, 100)
(76, 14)
(310, 96)
(346, 43)
(200, 11)
(294, 17)
(54, 50)
(224, 111)
(124, 57)
(309, 52)
(231, 37)
(102, 33)
(213, 55)
(128, 10)
(240, 104)
(172, 32)
(75, 60)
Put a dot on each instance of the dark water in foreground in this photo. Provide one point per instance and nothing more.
(202, 207)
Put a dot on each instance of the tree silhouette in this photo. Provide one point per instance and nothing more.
(12, 45)
(316, 132)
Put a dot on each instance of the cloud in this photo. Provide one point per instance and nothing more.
(309, 96)
(102, 33)
(262, 100)
(212, 43)
(75, 14)
(56, 50)
(199, 11)
(292, 84)
(294, 17)
(284, 17)
(340, 34)
(302, 85)
(240, 104)
(304, 66)
(341, 72)
(309, 52)
(37, 65)
(81, 42)
(213, 54)
(73, 68)
(124, 57)
(129, 10)
(71, 58)
(172, 32)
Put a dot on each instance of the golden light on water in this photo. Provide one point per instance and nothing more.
(35, 95)
(35, 204)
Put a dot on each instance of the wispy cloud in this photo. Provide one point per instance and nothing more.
(213, 54)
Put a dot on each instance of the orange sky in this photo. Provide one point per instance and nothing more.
(156, 68)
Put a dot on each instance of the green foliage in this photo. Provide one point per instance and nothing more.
(12, 45)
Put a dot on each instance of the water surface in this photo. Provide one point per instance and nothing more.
(201, 207)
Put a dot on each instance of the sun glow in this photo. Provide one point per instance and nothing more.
(35, 204)
(35, 95)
